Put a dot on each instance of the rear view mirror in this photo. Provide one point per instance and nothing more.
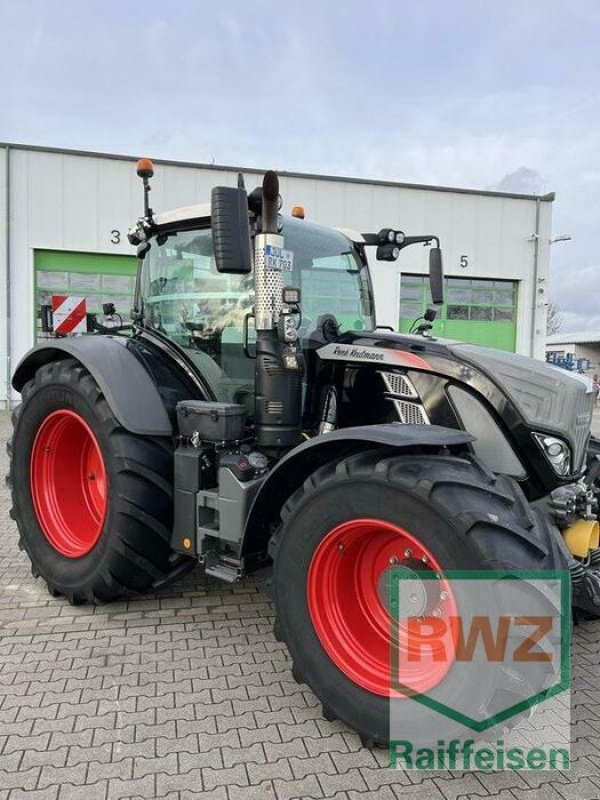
(436, 276)
(231, 230)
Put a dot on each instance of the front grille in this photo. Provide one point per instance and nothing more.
(399, 384)
(581, 435)
(411, 413)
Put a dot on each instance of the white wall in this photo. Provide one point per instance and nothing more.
(4, 365)
(74, 202)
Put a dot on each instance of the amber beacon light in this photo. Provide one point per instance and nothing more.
(145, 168)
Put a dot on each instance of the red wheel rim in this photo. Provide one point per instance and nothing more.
(68, 483)
(349, 612)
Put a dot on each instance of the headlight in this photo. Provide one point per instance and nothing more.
(556, 451)
(387, 252)
(390, 236)
(137, 234)
(553, 448)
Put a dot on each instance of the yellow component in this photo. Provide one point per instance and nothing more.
(187, 543)
(582, 536)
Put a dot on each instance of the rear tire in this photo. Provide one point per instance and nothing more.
(463, 516)
(95, 519)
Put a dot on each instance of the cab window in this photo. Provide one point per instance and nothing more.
(201, 310)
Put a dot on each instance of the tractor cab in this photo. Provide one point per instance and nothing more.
(250, 297)
(209, 314)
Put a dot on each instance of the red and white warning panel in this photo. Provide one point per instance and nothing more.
(69, 314)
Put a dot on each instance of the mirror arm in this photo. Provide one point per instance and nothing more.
(419, 240)
(371, 240)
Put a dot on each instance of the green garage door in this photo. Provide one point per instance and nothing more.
(477, 310)
(97, 277)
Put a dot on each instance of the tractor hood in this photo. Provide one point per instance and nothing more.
(528, 395)
(381, 347)
(546, 396)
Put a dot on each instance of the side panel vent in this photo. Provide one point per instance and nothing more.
(274, 407)
(398, 384)
(411, 413)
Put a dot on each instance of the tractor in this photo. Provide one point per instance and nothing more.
(253, 415)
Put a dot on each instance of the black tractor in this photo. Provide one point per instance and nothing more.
(253, 414)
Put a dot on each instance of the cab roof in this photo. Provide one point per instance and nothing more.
(200, 213)
(165, 219)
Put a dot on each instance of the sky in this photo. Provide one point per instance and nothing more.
(490, 94)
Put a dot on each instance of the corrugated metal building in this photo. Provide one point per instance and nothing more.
(64, 216)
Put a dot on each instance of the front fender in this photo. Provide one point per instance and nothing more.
(293, 469)
(128, 388)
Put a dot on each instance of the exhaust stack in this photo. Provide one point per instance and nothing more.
(278, 361)
(268, 282)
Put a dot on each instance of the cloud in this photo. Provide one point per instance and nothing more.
(522, 181)
(578, 292)
(457, 94)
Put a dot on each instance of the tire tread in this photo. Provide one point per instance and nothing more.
(139, 555)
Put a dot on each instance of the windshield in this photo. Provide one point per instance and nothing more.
(185, 298)
(331, 275)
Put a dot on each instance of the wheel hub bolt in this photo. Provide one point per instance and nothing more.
(437, 612)
(394, 560)
(340, 546)
(425, 560)
(91, 476)
(443, 595)
(408, 553)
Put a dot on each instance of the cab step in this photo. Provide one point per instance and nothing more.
(223, 568)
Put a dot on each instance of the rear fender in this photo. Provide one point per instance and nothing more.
(293, 469)
(127, 386)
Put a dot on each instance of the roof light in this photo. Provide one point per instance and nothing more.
(390, 236)
(387, 252)
(298, 212)
(145, 168)
(384, 235)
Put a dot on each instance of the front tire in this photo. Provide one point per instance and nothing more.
(375, 509)
(92, 502)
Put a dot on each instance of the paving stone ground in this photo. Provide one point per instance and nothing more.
(187, 693)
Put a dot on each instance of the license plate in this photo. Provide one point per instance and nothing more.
(278, 259)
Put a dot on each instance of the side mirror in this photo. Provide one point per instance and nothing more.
(436, 276)
(231, 230)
